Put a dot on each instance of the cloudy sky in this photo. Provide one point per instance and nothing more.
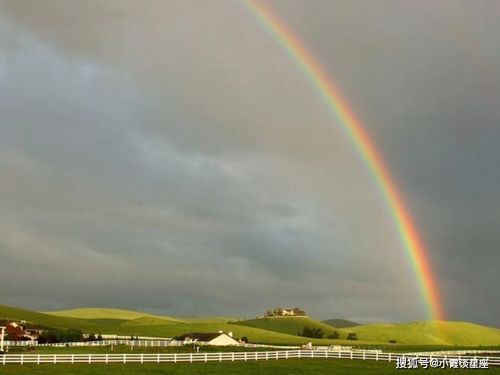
(169, 156)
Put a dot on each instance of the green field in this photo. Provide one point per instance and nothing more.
(340, 323)
(265, 330)
(290, 325)
(101, 313)
(285, 367)
(413, 333)
(430, 333)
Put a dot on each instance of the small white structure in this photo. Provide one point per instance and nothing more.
(215, 339)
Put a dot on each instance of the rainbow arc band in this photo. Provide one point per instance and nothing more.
(362, 142)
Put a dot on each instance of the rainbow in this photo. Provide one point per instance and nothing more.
(361, 140)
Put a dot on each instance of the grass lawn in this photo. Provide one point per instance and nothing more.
(291, 366)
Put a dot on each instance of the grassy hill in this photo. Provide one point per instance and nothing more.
(289, 325)
(275, 330)
(340, 323)
(430, 333)
(146, 325)
(149, 321)
(46, 320)
(103, 313)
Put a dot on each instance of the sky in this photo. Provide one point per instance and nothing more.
(169, 156)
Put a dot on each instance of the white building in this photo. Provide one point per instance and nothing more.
(216, 339)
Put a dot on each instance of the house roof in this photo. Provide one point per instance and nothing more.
(14, 330)
(200, 336)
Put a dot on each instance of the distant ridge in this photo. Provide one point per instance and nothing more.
(340, 323)
(107, 313)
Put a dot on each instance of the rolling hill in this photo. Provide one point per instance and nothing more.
(46, 320)
(340, 323)
(275, 330)
(146, 325)
(103, 313)
(290, 325)
(429, 333)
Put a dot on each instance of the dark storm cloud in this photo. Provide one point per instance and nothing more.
(189, 169)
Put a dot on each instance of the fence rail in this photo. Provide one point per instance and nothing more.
(138, 343)
(455, 352)
(217, 357)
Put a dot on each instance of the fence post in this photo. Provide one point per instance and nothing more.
(232, 356)
(190, 357)
(158, 358)
(363, 354)
(245, 357)
(376, 356)
(220, 357)
(142, 358)
(206, 357)
(90, 359)
(389, 357)
(55, 358)
(267, 356)
(107, 358)
(124, 358)
(286, 354)
(22, 358)
(351, 354)
(298, 354)
(175, 357)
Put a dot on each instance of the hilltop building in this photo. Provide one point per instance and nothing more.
(279, 311)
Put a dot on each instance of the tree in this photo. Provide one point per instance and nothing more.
(334, 335)
(306, 332)
(70, 335)
(352, 336)
(316, 333)
(298, 312)
(48, 337)
(91, 337)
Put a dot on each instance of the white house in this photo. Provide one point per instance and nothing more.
(216, 339)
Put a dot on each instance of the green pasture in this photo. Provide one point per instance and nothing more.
(430, 333)
(284, 367)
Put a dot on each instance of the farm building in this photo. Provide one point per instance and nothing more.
(14, 331)
(279, 311)
(216, 339)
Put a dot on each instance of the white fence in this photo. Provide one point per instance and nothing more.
(145, 343)
(215, 357)
(138, 343)
(455, 353)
